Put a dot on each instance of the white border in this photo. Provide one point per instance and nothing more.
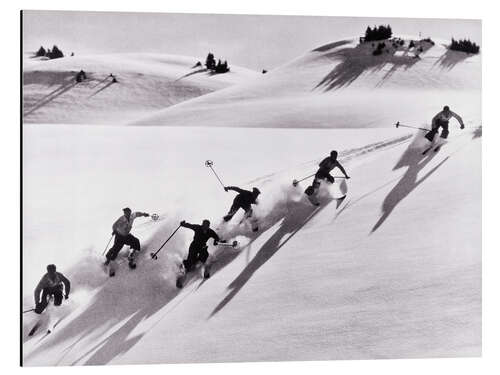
(9, 340)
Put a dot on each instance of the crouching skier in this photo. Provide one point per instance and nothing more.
(121, 231)
(244, 200)
(441, 120)
(52, 284)
(198, 249)
(323, 173)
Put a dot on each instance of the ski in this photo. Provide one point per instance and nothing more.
(427, 150)
(34, 329)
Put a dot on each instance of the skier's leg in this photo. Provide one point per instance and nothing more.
(445, 132)
(115, 249)
(203, 254)
(135, 245)
(234, 208)
(58, 297)
(40, 306)
(190, 261)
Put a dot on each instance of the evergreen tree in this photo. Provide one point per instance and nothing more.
(41, 52)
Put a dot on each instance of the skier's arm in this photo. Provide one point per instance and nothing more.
(66, 283)
(215, 237)
(187, 225)
(139, 214)
(342, 169)
(39, 289)
(459, 119)
(235, 188)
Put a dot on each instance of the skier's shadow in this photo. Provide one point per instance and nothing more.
(123, 301)
(299, 215)
(415, 161)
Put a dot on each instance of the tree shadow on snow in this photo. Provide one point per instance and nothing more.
(354, 61)
(451, 58)
(415, 161)
(299, 215)
(64, 81)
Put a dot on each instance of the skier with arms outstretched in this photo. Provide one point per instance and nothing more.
(121, 231)
(244, 200)
(441, 120)
(325, 167)
(198, 249)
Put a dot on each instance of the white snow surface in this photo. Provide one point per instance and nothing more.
(342, 85)
(392, 271)
(146, 82)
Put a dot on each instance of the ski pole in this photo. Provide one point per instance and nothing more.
(296, 182)
(209, 164)
(154, 255)
(27, 311)
(106, 248)
(412, 127)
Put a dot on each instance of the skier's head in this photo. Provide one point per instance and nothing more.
(205, 224)
(51, 269)
(255, 192)
(334, 154)
(127, 211)
(446, 108)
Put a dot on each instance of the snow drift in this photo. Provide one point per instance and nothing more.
(145, 82)
(343, 85)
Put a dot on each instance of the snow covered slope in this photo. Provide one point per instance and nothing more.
(393, 271)
(343, 84)
(146, 82)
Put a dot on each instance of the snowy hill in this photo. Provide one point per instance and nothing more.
(391, 271)
(343, 85)
(146, 82)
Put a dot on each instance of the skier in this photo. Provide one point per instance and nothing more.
(244, 200)
(323, 173)
(81, 76)
(121, 231)
(198, 247)
(441, 120)
(51, 285)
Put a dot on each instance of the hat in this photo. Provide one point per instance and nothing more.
(127, 209)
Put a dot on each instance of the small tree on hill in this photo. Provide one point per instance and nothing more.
(210, 61)
(464, 45)
(41, 52)
(55, 53)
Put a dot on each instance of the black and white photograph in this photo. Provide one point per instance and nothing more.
(214, 188)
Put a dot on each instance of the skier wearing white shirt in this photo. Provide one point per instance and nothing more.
(441, 120)
(121, 230)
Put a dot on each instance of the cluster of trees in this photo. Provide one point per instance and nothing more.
(464, 45)
(378, 33)
(219, 67)
(55, 53)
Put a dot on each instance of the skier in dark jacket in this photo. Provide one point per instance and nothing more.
(244, 200)
(323, 173)
(327, 165)
(441, 120)
(198, 247)
(52, 284)
(121, 231)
